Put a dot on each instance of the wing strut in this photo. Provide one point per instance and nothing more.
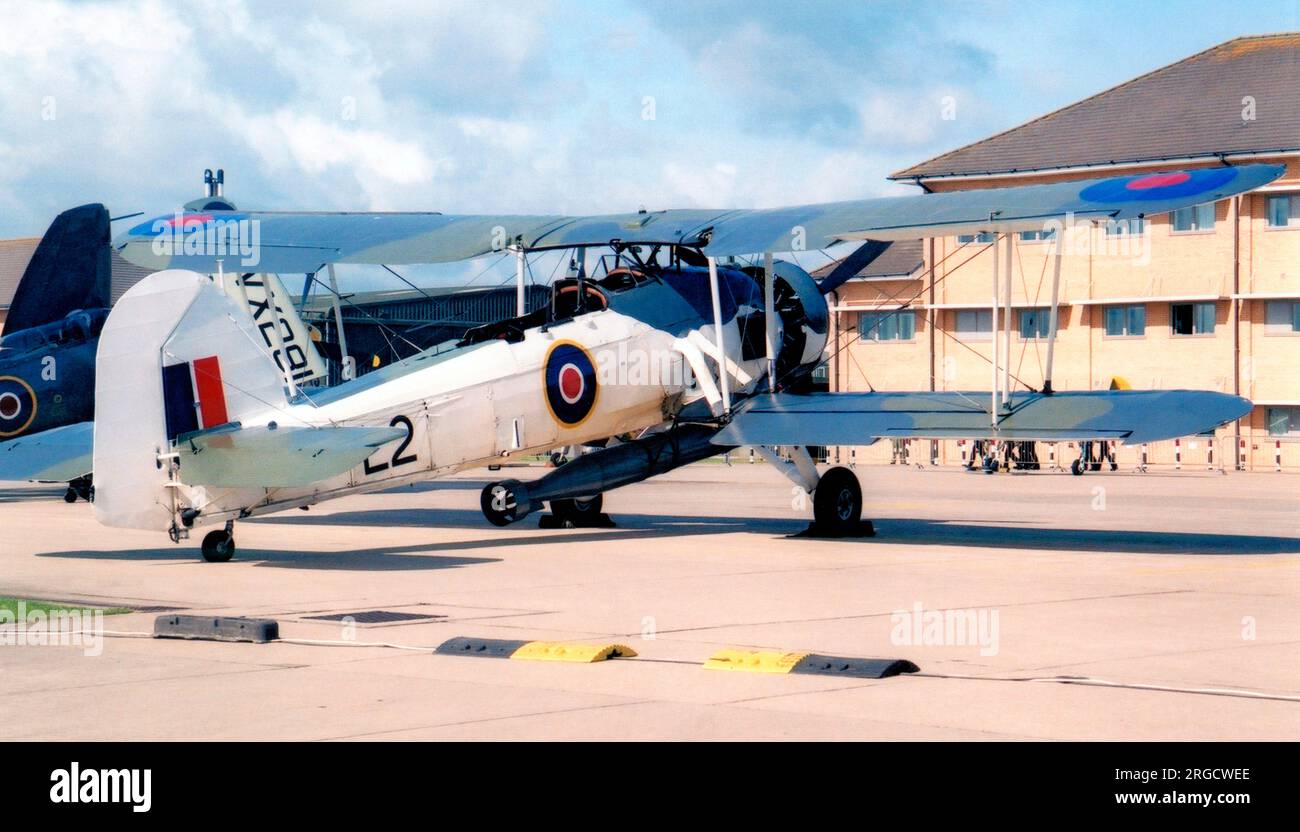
(723, 381)
(1006, 325)
(995, 333)
(349, 370)
(769, 318)
(521, 265)
(1052, 321)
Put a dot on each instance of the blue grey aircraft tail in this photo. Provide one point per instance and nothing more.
(70, 270)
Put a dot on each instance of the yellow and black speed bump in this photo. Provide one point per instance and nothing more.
(764, 661)
(539, 651)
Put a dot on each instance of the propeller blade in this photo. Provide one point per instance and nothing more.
(851, 265)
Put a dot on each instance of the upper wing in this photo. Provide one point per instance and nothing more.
(57, 455)
(303, 242)
(1130, 416)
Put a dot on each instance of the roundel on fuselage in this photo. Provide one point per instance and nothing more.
(17, 405)
(569, 381)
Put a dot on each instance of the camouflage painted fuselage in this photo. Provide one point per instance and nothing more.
(47, 375)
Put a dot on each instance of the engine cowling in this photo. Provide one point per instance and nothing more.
(805, 321)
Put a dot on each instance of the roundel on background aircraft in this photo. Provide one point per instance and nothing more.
(17, 405)
(1174, 185)
(569, 381)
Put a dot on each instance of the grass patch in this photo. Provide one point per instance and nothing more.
(11, 604)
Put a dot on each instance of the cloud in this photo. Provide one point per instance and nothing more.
(829, 73)
(454, 106)
(498, 106)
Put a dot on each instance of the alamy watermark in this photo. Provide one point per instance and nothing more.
(196, 235)
(38, 627)
(970, 627)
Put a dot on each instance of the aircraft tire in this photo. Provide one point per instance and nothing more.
(70, 496)
(218, 546)
(1076, 468)
(837, 502)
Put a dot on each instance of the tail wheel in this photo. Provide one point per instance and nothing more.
(500, 503)
(218, 546)
(837, 502)
(579, 512)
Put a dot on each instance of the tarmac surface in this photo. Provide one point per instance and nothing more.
(1173, 596)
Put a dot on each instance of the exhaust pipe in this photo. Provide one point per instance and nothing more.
(508, 501)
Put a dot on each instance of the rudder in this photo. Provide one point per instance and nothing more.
(177, 355)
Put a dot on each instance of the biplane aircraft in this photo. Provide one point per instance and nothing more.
(196, 424)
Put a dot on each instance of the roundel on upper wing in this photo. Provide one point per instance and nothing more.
(1178, 184)
(17, 405)
(184, 221)
(569, 379)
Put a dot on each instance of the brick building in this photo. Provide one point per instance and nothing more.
(1207, 298)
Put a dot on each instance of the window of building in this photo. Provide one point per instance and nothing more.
(1283, 420)
(1034, 322)
(1038, 236)
(1192, 318)
(1195, 218)
(1283, 316)
(1283, 210)
(982, 237)
(1128, 320)
(1135, 226)
(975, 324)
(887, 326)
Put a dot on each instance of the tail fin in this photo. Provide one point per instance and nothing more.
(177, 355)
(281, 330)
(70, 270)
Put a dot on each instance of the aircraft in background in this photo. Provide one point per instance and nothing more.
(47, 354)
(660, 354)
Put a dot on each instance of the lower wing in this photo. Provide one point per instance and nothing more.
(1130, 416)
(57, 455)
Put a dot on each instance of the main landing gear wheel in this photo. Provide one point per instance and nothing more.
(79, 488)
(837, 503)
(1076, 467)
(578, 513)
(500, 504)
(219, 546)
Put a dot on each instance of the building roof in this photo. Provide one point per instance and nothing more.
(1195, 108)
(901, 259)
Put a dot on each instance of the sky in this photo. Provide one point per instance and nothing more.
(541, 106)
